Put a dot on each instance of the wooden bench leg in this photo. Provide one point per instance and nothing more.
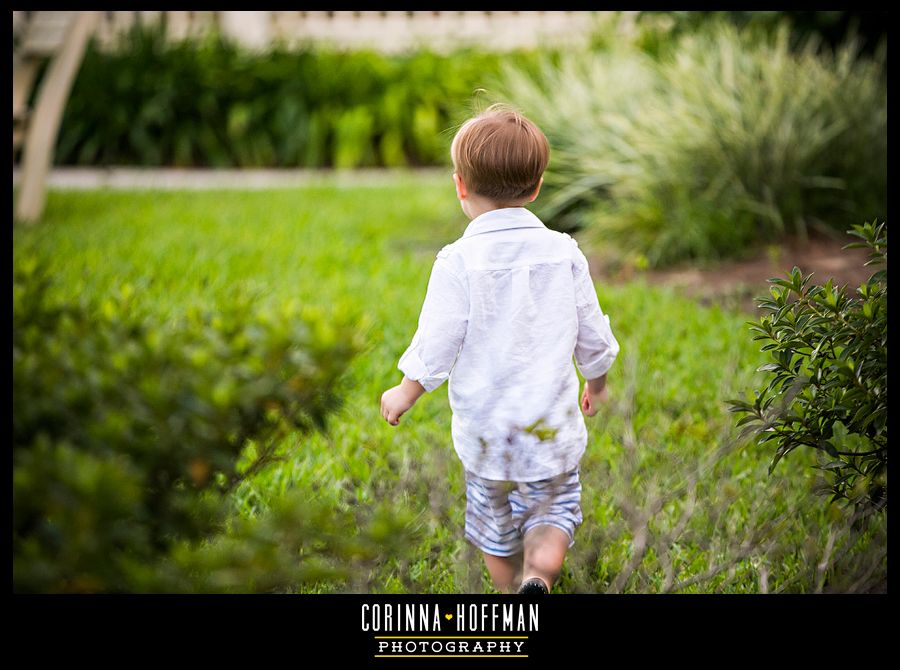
(43, 127)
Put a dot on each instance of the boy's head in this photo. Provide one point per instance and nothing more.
(500, 155)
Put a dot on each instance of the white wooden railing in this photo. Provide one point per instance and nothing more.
(382, 30)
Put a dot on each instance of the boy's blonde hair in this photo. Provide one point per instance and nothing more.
(500, 154)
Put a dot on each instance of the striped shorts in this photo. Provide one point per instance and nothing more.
(499, 513)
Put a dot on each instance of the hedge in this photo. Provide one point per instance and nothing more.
(130, 432)
(210, 103)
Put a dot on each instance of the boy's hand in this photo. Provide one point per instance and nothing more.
(594, 395)
(396, 401)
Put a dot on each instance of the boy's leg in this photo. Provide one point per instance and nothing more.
(506, 571)
(490, 527)
(553, 510)
(545, 550)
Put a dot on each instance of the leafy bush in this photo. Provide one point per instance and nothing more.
(728, 141)
(828, 387)
(156, 102)
(129, 433)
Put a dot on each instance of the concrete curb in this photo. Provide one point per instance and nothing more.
(66, 178)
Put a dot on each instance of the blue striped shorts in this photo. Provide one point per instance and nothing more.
(499, 513)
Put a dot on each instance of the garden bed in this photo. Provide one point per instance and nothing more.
(737, 283)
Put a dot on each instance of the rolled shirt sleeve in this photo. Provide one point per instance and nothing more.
(596, 347)
(442, 328)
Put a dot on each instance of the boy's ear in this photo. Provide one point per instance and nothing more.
(536, 191)
(460, 187)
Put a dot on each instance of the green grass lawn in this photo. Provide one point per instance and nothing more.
(670, 501)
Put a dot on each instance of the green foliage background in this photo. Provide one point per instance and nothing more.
(696, 142)
(723, 142)
(156, 102)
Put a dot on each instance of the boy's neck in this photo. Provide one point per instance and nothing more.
(475, 206)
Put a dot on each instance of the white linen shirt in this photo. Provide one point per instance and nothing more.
(507, 306)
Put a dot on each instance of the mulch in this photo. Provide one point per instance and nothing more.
(736, 284)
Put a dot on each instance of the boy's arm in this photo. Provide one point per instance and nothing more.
(594, 395)
(427, 362)
(395, 401)
(412, 388)
(596, 348)
(595, 386)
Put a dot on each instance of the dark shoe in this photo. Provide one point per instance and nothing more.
(535, 585)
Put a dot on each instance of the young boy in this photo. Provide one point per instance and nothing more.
(507, 306)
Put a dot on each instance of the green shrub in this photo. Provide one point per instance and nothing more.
(730, 140)
(156, 102)
(828, 387)
(129, 433)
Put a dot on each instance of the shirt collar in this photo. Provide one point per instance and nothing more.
(502, 219)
